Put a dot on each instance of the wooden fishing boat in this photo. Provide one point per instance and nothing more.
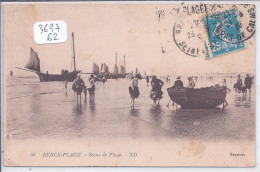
(198, 98)
(69, 77)
(34, 66)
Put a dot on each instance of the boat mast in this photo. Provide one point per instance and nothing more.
(73, 51)
(124, 63)
(116, 58)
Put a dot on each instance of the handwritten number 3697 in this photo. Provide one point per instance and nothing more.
(50, 28)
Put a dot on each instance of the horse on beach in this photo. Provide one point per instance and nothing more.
(79, 89)
(78, 86)
(239, 88)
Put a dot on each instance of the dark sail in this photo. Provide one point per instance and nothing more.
(106, 68)
(95, 69)
(122, 70)
(34, 62)
(101, 68)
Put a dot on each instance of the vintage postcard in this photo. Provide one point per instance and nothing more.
(129, 84)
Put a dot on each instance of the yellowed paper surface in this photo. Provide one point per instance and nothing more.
(45, 124)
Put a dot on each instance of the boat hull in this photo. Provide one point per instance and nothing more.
(202, 98)
(69, 77)
(113, 76)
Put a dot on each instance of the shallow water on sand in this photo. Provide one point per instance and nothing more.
(47, 110)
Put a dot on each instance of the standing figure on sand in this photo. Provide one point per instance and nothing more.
(92, 88)
(147, 81)
(103, 80)
(65, 84)
(224, 84)
(156, 92)
(78, 86)
(196, 78)
(134, 90)
(248, 83)
(177, 83)
(168, 79)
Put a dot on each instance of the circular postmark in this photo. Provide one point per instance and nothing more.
(188, 37)
(235, 25)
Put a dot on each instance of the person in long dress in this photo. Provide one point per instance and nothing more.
(134, 90)
(178, 83)
(92, 87)
(156, 91)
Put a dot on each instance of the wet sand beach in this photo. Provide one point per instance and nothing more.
(38, 110)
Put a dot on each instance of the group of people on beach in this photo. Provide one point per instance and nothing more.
(101, 79)
(79, 86)
(157, 84)
(156, 90)
(243, 87)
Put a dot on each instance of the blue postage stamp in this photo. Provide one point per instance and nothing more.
(224, 33)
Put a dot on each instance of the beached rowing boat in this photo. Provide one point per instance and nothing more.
(198, 98)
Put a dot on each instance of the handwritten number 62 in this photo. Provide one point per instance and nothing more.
(50, 37)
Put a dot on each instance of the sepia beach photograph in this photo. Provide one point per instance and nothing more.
(129, 84)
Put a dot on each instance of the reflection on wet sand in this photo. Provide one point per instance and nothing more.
(156, 113)
(92, 106)
(134, 112)
(78, 119)
(192, 124)
(243, 100)
(135, 127)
